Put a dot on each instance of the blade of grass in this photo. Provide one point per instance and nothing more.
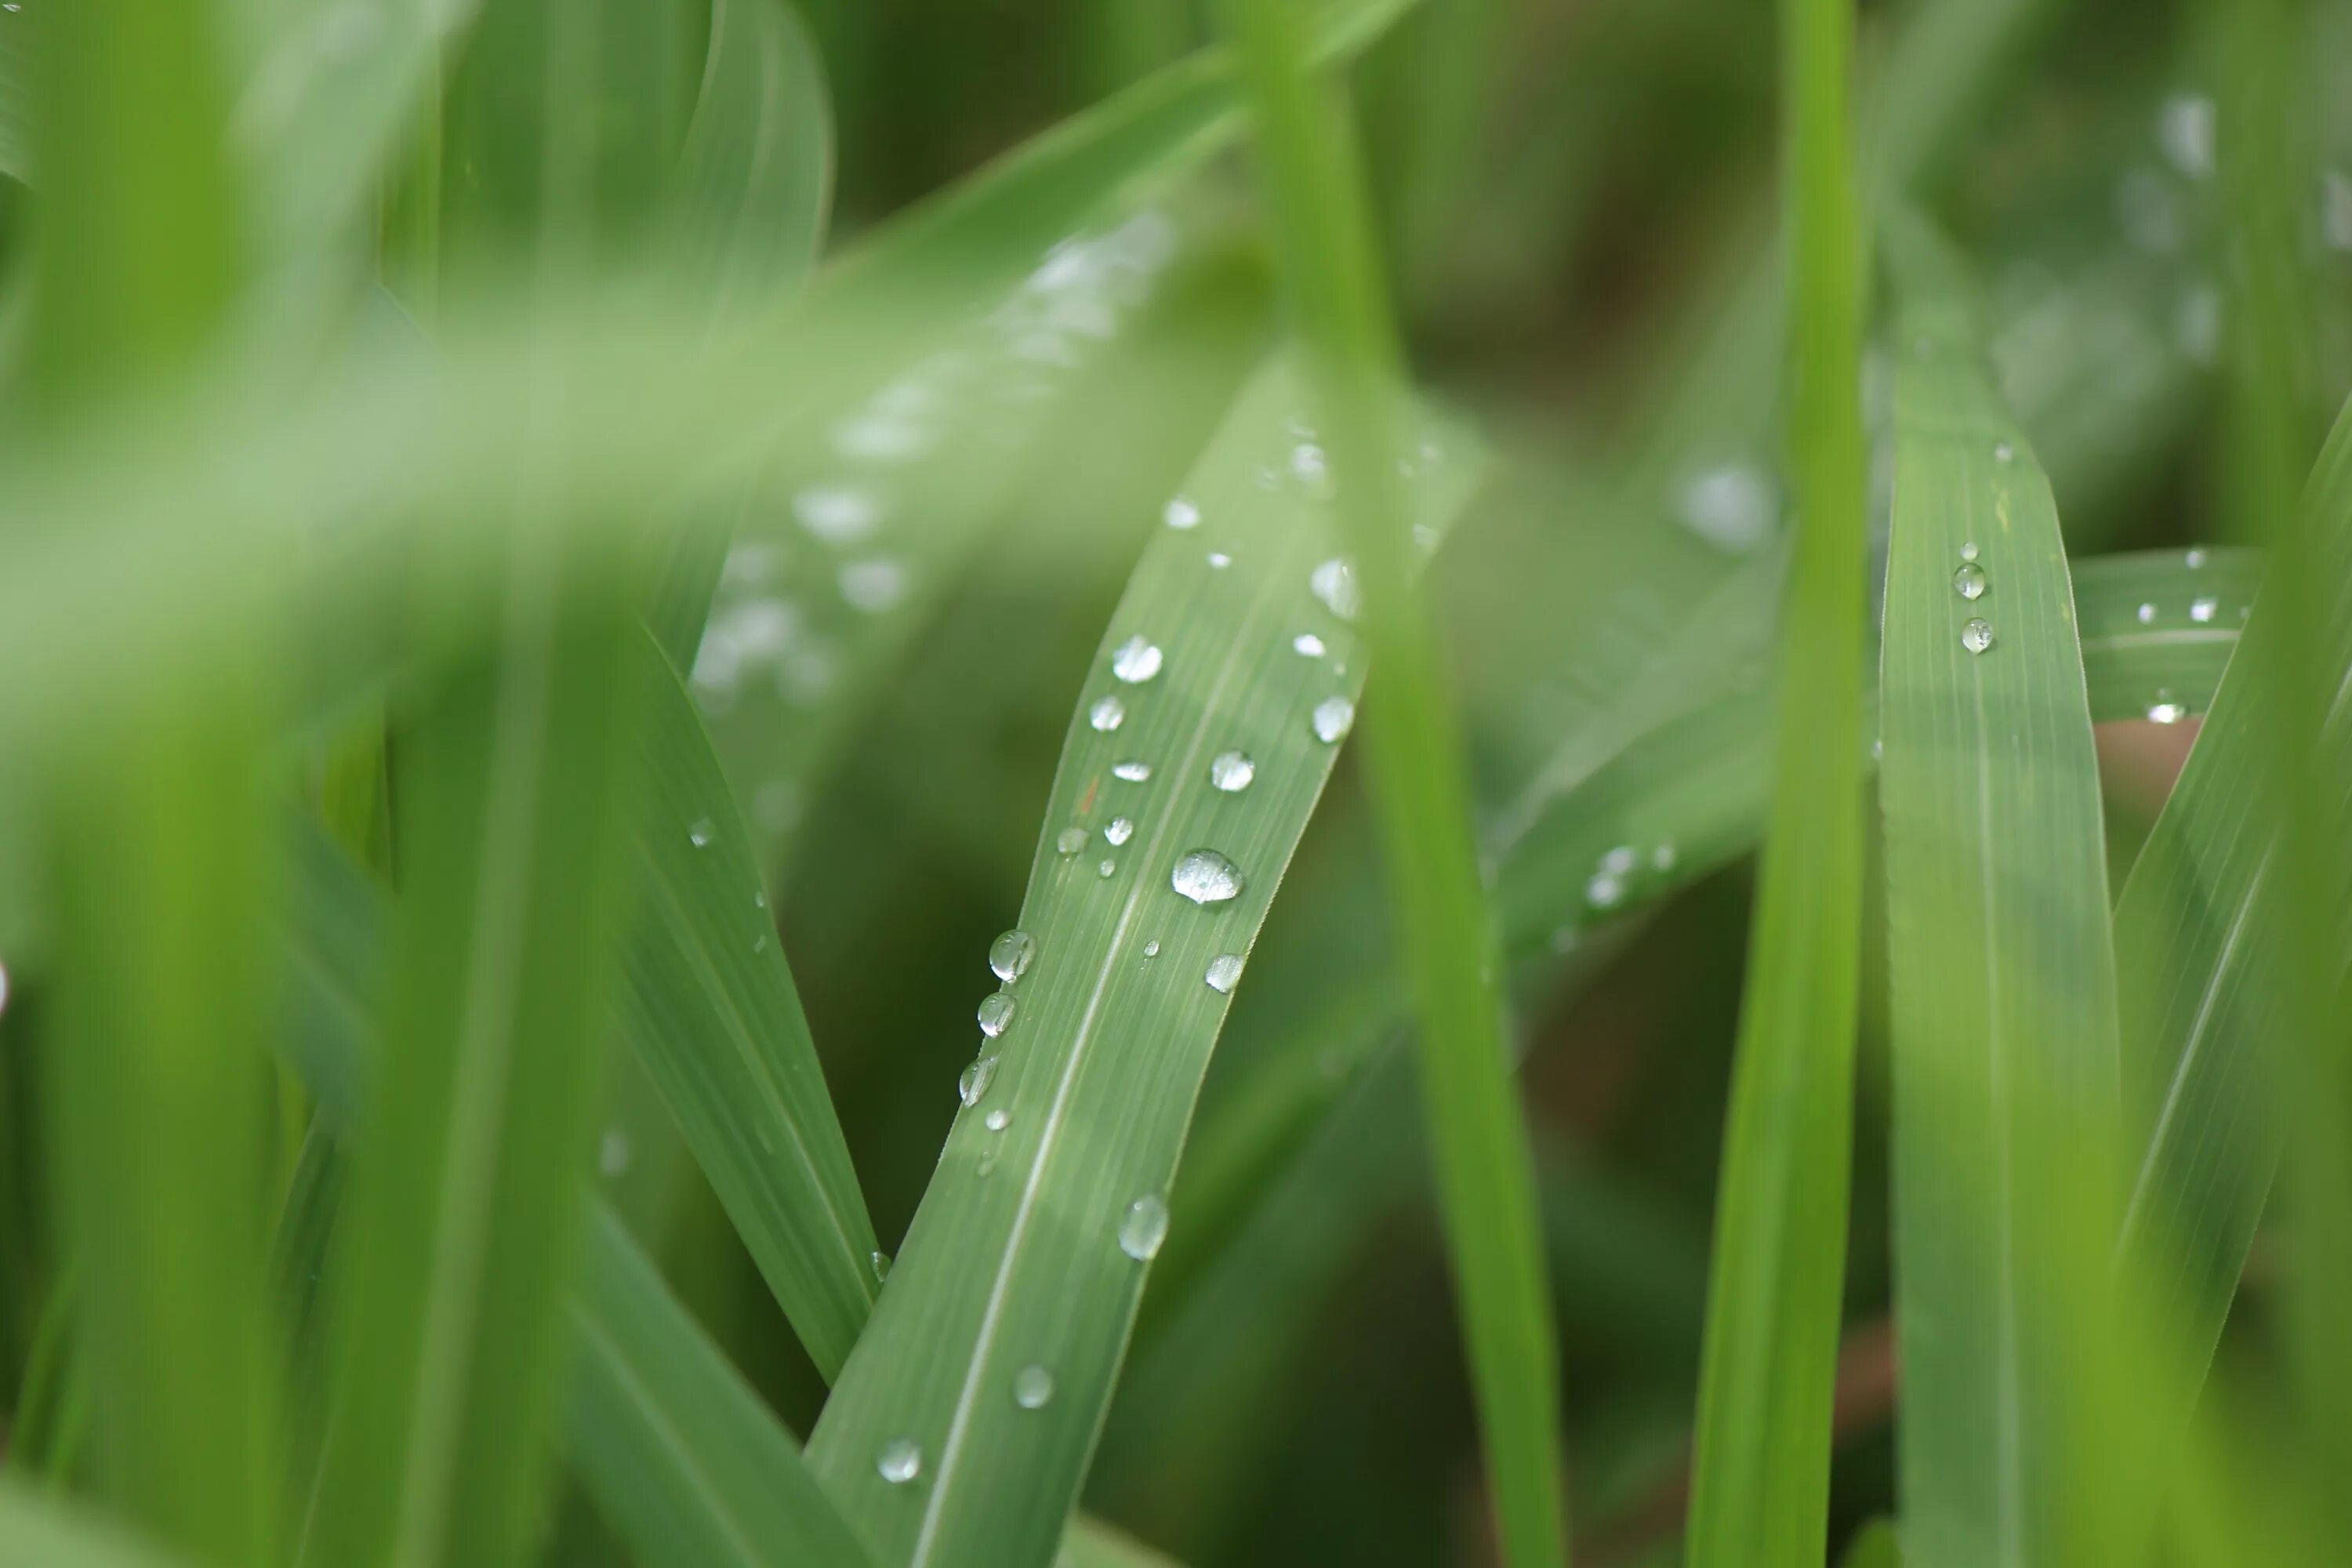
(754, 181)
(1477, 1136)
(1759, 1474)
(2003, 1000)
(2160, 627)
(1014, 1260)
(36, 1532)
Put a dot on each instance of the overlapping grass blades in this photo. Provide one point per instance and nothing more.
(2003, 1000)
(1015, 1259)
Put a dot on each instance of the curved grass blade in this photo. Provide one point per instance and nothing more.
(36, 1532)
(2003, 1000)
(2160, 627)
(755, 177)
(1077, 1115)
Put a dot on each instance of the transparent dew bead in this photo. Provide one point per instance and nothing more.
(1070, 840)
(880, 1263)
(1308, 643)
(1151, 948)
(1333, 583)
(2147, 614)
(2202, 609)
(1118, 831)
(1107, 870)
(1136, 660)
(1977, 635)
(1206, 876)
(1224, 973)
(1108, 714)
(1968, 551)
(1144, 1228)
(2003, 453)
(1231, 770)
(1603, 889)
(702, 833)
(1968, 582)
(975, 1080)
(1332, 719)
(899, 1462)
(996, 1013)
(1130, 771)
(1180, 513)
(1008, 954)
(1032, 1387)
(998, 1120)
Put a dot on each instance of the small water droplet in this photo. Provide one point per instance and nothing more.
(1070, 840)
(1225, 971)
(1968, 551)
(1977, 635)
(881, 1261)
(975, 1079)
(1182, 513)
(996, 1011)
(1206, 876)
(700, 834)
(1733, 507)
(1136, 660)
(1130, 771)
(1008, 954)
(1032, 1387)
(2194, 558)
(2165, 711)
(2147, 614)
(998, 1120)
(1107, 870)
(1118, 831)
(1108, 714)
(1968, 582)
(899, 1462)
(1144, 1228)
(1308, 643)
(1219, 560)
(1603, 890)
(1333, 583)
(1231, 770)
(1332, 719)
(1151, 948)
(2002, 453)
(2201, 609)
(1620, 860)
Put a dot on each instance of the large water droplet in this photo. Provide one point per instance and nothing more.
(1333, 583)
(1070, 840)
(1118, 831)
(1144, 1228)
(1008, 954)
(1225, 971)
(1130, 771)
(1968, 582)
(1308, 643)
(1032, 1387)
(996, 1011)
(1108, 714)
(2201, 609)
(1977, 635)
(975, 1079)
(1182, 513)
(1231, 770)
(1332, 719)
(899, 1462)
(1136, 660)
(1206, 876)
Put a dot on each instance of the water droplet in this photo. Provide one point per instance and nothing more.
(1662, 857)
(1130, 771)
(1008, 954)
(998, 1120)
(1333, 718)
(975, 1079)
(1333, 583)
(1968, 582)
(1032, 1387)
(2194, 558)
(1308, 643)
(1231, 770)
(1108, 714)
(873, 586)
(1182, 513)
(700, 834)
(1151, 948)
(1144, 1228)
(1219, 560)
(881, 1265)
(1070, 840)
(1620, 860)
(996, 1011)
(1136, 660)
(2147, 614)
(2165, 711)
(900, 1462)
(1733, 507)
(1118, 831)
(1977, 635)
(2185, 130)
(2002, 453)
(1107, 870)
(613, 1152)
(1968, 551)
(1224, 973)
(2201, 609)
(1603, 890)
(837, 514)
(1206, 876)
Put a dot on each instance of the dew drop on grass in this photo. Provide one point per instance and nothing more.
(1662, 857)
(1008, 954)
(1130, 771)
(999, 1119)
(1219, 560)
(1107, 870)
(1118, 831)
(1977, 635)
(1136, 660)
(1206, 876)
(1182, 513)
(873, 586)
(996, 1011)
(1620, 860)
(899, 1462)
(700, 834)
(976, 1079)
(1333, 583)
(1224, 973)
(1151, 948)
(1968, 551)
(1032, 1387)
(1070, 840)
(1332, 719)
(2202, 608)
(880, 1262)
(1144, 1228)
(2164, 711)
(2147, 614)
(1968, 582)
(1231, 772)
(1108, 714)
(837, 514)
(1603, 890)
(2194, 558)
(1308, 643)
(2002, 453)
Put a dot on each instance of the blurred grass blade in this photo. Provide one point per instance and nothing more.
(1030, 1249)
(711, 1010)
(1874, 1545)
(1759, 1482)
(755, 177)
(36, 1532)
(1444, 936)
(466, 1183)
(2160, 627)
(2003, 999)
(20, 65)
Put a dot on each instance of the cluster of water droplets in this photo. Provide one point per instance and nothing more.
(1970, 583)
(1619, 869)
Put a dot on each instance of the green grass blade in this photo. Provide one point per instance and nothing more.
(755, 178)
(36, 1532)
(20, 63)
(2002, 993)
(711, 1010)
(1014, 1258)
(1874, 1545)
(1759, 1481)
(2160, 627)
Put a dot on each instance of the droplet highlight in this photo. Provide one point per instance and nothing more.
(1008, 954)
(1224, 973)
(1968, 582)
(1070, 840)
(1231, 772)
(1135, 661)
(1333, 583)
(1144, 1228)
(1032, 1387)
(899, 1462)
(1332, 719)
(1108, 714)
(1130, 771)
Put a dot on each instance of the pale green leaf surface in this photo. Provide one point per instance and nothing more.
(2158, 628)
(755, 177)
(37, 1532)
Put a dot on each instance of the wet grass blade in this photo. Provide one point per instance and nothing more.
(2160, 627)
(1759, 1480)
(36, 1532)
(1150, 879)
(2003, 1004)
